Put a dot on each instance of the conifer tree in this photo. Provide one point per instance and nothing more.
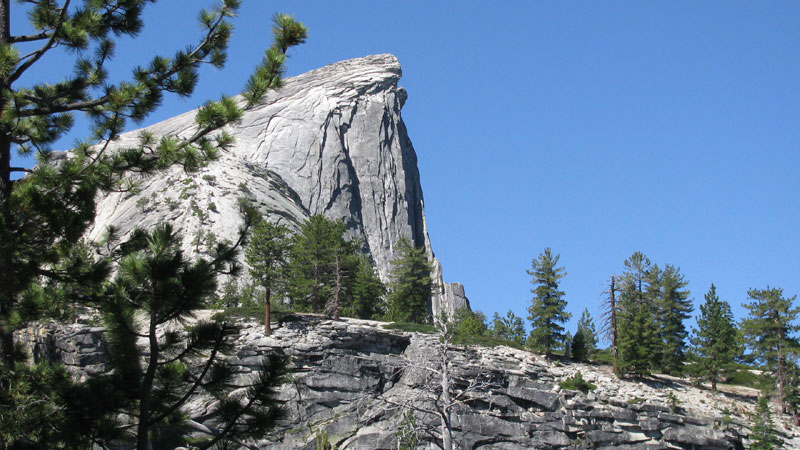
(366, 297)
(44, 214)
(674, 306)
(411, 285)
(267, 255)
(509, 328)
(157, 286)
(769, 331)
(715, 340)
(637, 329)
(548, 307)
(584, 343)
(762, 433)
(311, 262)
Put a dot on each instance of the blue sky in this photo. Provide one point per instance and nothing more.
(597, 129)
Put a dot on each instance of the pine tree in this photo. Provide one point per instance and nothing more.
(411, 285)
(636, 326)
(509, 328)
(311, 262)
(769, 331)
(157, 286)
(44, 214)
(762, 433)
(267, 255)
(366, 293)
(715, 340)
(674, 306)
(548, 307)
(584, 343)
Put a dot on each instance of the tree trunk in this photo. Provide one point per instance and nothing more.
(613, 308)
(7, 296)
(447, 430)
(145, 392)
(267, 329)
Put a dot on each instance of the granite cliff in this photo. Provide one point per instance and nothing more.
(349, 376)
(331, 142)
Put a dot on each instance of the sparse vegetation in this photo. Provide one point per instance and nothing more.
(577, 383)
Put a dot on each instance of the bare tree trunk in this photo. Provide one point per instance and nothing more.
(613, 312)
(447, 430)
(267, 329)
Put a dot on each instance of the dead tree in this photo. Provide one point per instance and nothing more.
(609, 320)
(440, 394)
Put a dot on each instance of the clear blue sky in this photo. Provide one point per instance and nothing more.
(594, 128)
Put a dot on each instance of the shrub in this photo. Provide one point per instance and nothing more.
(577, 383)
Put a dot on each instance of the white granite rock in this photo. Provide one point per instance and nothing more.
(331, 141)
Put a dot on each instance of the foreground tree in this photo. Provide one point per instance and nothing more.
(548, 307)
(715, 340)
(267, 255)
(44, 214)
(769, 331)
(155, 290)
(411, 285)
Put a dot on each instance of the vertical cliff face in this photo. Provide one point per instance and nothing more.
(331, 142)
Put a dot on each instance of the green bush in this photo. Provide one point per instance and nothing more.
(577, 383)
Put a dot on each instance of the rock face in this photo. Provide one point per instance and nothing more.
(349, 376)
(330, 142)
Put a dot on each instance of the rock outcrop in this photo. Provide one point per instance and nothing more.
(330, 142)
(349, 376)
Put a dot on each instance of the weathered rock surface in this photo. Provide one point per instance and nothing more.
(330, 142)
(349, 376)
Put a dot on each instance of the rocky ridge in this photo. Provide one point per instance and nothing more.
(331, 142)
(348, 377)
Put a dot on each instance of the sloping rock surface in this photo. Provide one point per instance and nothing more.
(349, 376)
(330, 142)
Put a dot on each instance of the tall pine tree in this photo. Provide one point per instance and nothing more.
(267, 255)
(411, 285)
(312, 262)
(769, 331)
(548, 308)
(715, 340)
(637, 331)
(674, 306)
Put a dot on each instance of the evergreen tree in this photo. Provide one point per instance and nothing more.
(411, 285)
(267, 255)
(584, 343)
(509, 328)
(674, 306)
(311, 262)
(762, 433)
(637, 330)
(715, 341)
(156, 286)
(44, 214)
(366, 293)
(468, 323)
(548, 307)
(769, 331)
